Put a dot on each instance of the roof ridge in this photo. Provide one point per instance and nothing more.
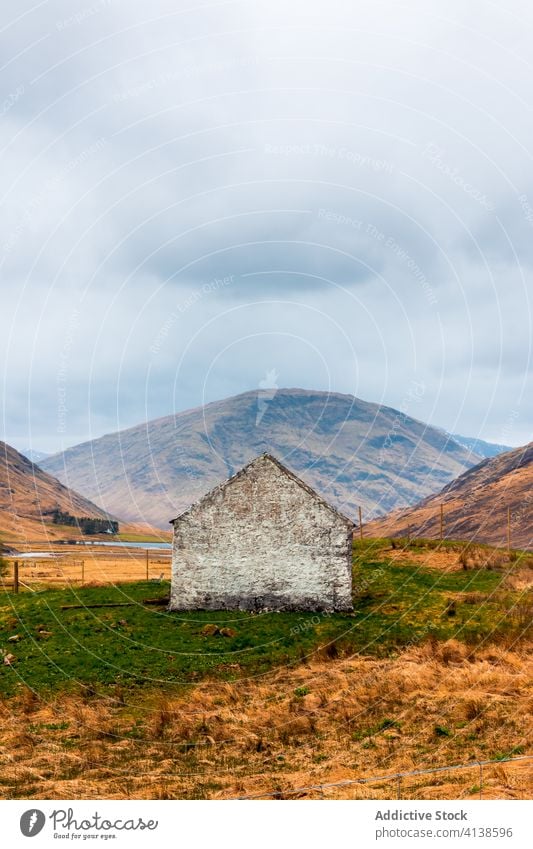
(265, 455)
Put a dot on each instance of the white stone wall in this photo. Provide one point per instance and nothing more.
(262, 542)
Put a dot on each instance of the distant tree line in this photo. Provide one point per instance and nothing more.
(86, 524)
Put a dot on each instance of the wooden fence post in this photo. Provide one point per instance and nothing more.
(16, 576)
(361, 524)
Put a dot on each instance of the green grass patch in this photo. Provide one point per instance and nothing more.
(510, 753)
(125, 537)
(395, 605)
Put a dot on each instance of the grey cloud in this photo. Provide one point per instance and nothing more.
(372, 164)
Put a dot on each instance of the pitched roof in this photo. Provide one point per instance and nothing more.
(222, 486)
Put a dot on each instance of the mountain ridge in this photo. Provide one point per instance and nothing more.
(481, 447)
(351, 451)
(29, 494)
(475, 504)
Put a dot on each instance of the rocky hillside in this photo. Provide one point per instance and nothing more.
(350, 451)
(28, 495)
(475, 505)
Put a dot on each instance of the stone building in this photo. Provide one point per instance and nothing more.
(262, 540)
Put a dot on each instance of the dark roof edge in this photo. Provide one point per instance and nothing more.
(285, 470)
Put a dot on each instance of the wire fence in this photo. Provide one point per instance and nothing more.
(509, 528)
(60, 571)
(398, 778)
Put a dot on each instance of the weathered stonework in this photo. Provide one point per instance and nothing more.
(263, 540)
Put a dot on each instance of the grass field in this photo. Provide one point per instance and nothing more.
(396, 604)
(93, 566)
(432, 667)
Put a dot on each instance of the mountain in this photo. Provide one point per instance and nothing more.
(352, 452)
(35, 456)
(475, 505)
(479, 447)
(28, 495)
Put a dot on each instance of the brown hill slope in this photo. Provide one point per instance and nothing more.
(475, 505)
(352, 452)
(28, 495)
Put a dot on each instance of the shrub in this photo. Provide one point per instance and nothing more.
(388, 723)
(478, 557)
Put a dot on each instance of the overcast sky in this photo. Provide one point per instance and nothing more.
(195, 195)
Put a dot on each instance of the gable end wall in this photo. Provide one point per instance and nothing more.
(262, 542)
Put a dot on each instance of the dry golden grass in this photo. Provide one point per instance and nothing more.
(447, 560)
(98, 568)
(478, 557)
(324, 722)
(518, 568)
(330, 720)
